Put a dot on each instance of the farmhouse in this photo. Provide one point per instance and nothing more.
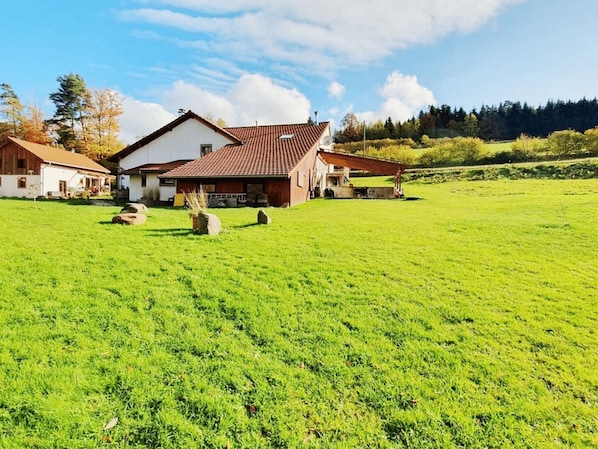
(185, 139)
(254, 165)
(274, 164)
(29, 170)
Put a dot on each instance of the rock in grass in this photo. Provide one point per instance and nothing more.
(135, 208)
(263, 218)
(129, 219)
(208, 224)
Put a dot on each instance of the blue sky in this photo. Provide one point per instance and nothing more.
(274, 61)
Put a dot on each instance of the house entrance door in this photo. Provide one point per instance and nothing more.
(62, 187)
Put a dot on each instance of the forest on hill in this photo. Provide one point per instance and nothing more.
(507, 121)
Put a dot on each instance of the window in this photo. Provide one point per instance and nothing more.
(166, 181)
(0, 181)
(143, 180)
(206, 149)
(22, 163)
(22, 182)
(286, 136)
(300, 178)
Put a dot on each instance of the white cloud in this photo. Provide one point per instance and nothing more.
(336, 89)
(252, 98)
(140, 119)
(186, 96)
(258, 98)
(403, 97)
(319, 32)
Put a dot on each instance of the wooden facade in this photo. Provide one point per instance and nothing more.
(15, 160)
(277, 189)
(29, 169)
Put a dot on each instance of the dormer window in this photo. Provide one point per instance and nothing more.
(286, 136)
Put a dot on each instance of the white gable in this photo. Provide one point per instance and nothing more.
(183, 142)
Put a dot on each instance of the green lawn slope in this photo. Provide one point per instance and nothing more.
(465, 319)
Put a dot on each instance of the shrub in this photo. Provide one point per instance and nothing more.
(457, 151)
(400, 153)
(527, 148)
(567, 143)
(591, 141)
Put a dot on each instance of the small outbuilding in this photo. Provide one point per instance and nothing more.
(30, 170)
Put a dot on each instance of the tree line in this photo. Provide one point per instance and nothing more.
(85, 119)
(507, 121)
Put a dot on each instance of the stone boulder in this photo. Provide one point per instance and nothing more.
(135, 208)
(263, 218)
(207, 224)
(129, 219)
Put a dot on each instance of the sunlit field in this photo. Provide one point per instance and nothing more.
(466, 318)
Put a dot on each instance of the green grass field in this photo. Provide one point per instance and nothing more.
(496, 147)
(465, 319)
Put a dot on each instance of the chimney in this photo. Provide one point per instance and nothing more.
(316, 114)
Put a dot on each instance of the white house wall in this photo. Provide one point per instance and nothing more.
(136, 191)
(10, 186)
(183, 142)
(52, 176)
(47, 181)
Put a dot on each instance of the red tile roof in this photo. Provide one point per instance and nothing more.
(262, 152)
(60, 157)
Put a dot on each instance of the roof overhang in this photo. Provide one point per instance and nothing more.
(154, 168)
(78, 168)
(376, 166)
(96, 174)
(282, 176)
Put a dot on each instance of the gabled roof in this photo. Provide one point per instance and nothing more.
(59, 157)
(266, 151)
(155, 168)
(189, 115)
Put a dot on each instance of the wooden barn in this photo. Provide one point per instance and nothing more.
(30, 170)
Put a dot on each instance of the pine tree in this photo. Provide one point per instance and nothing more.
(70, 120)
(12, 111)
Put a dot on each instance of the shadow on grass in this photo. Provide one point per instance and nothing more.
(185, 232)
(246, 225)
(173, 232)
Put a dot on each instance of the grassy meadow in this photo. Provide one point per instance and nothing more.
(468, 318)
